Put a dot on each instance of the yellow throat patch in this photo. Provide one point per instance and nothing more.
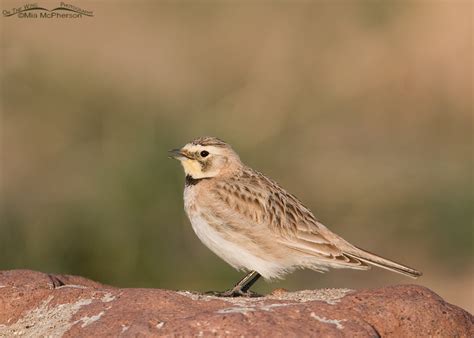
(192, 168)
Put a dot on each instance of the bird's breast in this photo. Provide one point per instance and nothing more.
(229, 243)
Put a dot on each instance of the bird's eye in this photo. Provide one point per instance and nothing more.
(204, 153)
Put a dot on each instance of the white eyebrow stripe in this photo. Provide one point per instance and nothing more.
(192, 148)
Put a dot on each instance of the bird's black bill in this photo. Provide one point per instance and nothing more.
(176, 154)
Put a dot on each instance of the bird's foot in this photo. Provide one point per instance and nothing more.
(234, 293)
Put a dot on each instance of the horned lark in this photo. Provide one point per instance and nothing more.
(255, 225)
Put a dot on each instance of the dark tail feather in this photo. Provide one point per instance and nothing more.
(373, 259)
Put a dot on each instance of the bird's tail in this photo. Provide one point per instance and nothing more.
(370, 258)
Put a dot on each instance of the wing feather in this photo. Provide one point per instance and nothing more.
(263, 203)
(259, 203)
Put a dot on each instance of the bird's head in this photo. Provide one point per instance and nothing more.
(207, 157)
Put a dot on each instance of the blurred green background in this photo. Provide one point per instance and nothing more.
(361, 109)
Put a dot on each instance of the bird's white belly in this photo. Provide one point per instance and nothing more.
(233, 254)
(236, 255)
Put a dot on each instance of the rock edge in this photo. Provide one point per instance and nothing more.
(38, 304)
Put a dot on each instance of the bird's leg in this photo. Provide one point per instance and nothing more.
(241, 289)
(244, 285)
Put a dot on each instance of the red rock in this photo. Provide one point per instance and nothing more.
(37, 304)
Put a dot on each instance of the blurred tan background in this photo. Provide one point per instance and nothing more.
(361, 109)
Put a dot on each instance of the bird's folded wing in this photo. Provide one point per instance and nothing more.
(265, 204)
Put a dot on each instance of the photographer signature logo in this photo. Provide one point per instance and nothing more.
(34, 11)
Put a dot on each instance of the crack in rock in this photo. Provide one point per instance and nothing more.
(86, 320)
(108, 297)
(252, 308)
(72, 286)
(336, 322)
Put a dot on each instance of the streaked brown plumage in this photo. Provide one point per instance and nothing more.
(254, 224)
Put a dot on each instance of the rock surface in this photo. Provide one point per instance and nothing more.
(38, 304)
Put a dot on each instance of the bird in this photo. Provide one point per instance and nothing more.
(255, 225)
